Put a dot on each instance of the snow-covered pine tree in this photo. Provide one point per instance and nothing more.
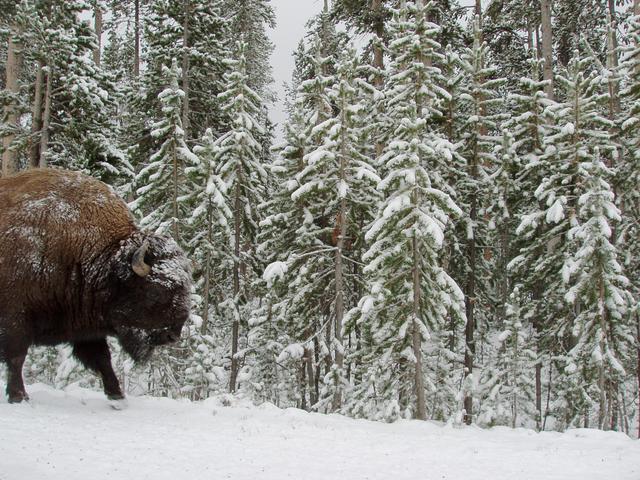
(509, 380)
(208, 235)
(602, 329)
(238, 163)
(339, 171)
(301, 229)
(529, 123)
(628, 196)
(577, 129)
(473, 270)
(410, 296)
(161, 187)
(196, 34)
(73, 99)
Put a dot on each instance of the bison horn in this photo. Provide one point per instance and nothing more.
(137, 262)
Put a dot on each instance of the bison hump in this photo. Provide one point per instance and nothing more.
(52, 216)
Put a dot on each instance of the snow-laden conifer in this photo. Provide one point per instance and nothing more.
(238, 163)
(160, 183)
(410, 296)
(482, 107)
(508, 381)
(602, 326)
(578, 128)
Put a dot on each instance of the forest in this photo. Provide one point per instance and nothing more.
(445, 228)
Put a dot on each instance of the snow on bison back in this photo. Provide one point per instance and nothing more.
(75, 268)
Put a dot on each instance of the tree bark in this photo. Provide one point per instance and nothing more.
(547, 45)
(235, 328)
(339, 305)
(98, 30)
(638, 365)
(186, 125)
(13, 70)
(416, 336)
(46, 118)
(207, 272)
(36, 122)
(378, 55)
(136, 48)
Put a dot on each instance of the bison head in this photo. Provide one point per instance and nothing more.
(151, 299)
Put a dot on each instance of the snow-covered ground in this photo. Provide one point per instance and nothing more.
(76, 435)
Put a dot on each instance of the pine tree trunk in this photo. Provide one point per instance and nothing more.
(46, 118)
(174, 200)
(13, 70)
(136, 48)
(185, 69)
(421, 406)
(339, 305)
(36, 121)
(469, 299)
(378, 51)
(547, 45)
(378, 55)
(638, 366)
(235, 328)
(602, 383)
(98, 30)
(308, 355)
(612, 61)
(207, 273)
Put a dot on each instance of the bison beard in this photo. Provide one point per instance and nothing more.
(75, 268)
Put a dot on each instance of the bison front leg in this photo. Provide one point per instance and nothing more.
(95, 355)
(15, 385)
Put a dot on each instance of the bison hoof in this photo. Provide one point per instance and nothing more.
(118, 403)
(18, 397)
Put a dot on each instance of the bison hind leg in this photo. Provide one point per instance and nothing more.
(15, 385)
(95, 355)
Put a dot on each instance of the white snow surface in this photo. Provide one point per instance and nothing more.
(74, 434)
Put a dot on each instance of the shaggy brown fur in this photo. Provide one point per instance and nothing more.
(67, 243)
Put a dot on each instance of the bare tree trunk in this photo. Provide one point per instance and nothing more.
(13, 70)
(98, 30)
(36, 122)
(185, 69)
(46, 118)
(136, 48)
(547, 45)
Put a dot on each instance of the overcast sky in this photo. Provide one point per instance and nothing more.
(291, 16)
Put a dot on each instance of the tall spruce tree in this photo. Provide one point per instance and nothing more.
(410, 295)
(239, 166)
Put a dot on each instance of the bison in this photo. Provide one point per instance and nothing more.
(74, 268)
